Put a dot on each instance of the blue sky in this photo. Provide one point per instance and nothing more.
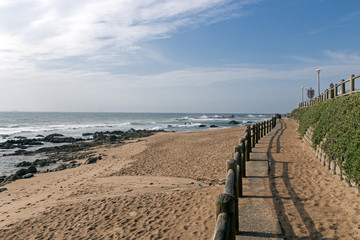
(243, 56)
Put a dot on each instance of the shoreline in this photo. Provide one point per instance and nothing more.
(180, 165)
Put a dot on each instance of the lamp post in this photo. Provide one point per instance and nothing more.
(318, 72)
(302, 96)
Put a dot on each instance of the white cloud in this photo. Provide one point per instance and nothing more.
(52, 29)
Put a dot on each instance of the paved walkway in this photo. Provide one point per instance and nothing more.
(257, 215)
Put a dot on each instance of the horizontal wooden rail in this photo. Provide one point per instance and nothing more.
(337, 90)
(226, 204)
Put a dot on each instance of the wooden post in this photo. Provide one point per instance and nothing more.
(238, 150)
(239, 172)
(221, 231)
(239, 183)
(264, 128)
(352, 83)
(274, 122)
(336, 90)
(231, 169)
(243, 149)
(261, 130)
(248, 139)
(342, 87)
(254, 135)
(270, 125)
(253, 139)
(225, 203)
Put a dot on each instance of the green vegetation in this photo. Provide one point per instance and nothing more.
(336, 122)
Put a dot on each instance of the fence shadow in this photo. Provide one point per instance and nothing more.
(278, 201)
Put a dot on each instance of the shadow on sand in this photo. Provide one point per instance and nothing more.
(283, 219)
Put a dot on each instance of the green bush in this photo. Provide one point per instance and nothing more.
(337, 121)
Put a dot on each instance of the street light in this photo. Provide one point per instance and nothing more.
(302, 97)
(318, 72)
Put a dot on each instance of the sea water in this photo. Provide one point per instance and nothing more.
(32, 124)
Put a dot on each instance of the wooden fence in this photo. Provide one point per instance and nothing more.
(226, 204)
(345, 87)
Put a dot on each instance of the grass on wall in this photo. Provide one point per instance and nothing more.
(337, 121)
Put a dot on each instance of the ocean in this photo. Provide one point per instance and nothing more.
(32, 124)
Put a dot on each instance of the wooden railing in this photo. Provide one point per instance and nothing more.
(227, 204)
(345, 87)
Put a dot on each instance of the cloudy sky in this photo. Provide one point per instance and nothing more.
(227, 56)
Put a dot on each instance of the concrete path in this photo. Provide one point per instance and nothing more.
(257, 215)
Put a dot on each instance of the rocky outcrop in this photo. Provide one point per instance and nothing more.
(64, 153)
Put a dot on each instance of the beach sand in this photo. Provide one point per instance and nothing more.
(161, 187)
(311, 202)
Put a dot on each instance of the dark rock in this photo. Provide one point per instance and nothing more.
(112, 138)
(21, 172)
(3, 189)
(23, 164)
(87, 134)
(21, 143)
(234, 122)
(20, 152)
(37, 162)
(202, 125)
(43, 162)
(91, 160)
(213, 126)
(54, 135)
(11, 178)
(40, 136)
(61, 167)
(32, 169)
(25, 171)
(28, 175)
(59, 138)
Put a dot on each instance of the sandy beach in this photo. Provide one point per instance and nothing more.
(163, 187)
(159, 187)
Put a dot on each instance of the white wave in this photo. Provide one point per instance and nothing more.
(57, 128)
(156, 128)
(250, 115)
(183, 118)
(187, 125)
